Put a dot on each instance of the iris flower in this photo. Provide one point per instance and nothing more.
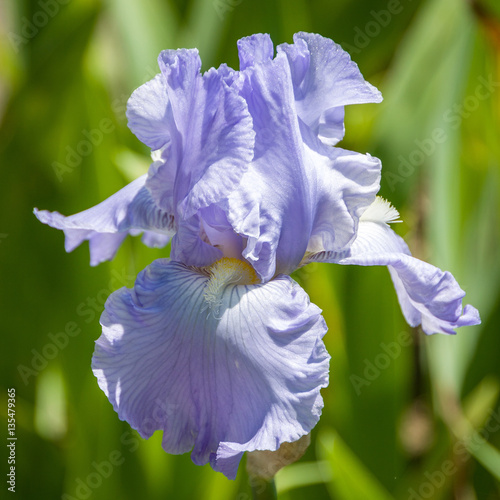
(217, 346)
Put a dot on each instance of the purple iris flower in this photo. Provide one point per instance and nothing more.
(217, 346)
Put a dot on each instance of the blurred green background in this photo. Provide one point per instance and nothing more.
(406, 416)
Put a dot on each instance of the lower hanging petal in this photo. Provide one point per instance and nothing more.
(129, 211)
(220, 367)
(428, 296)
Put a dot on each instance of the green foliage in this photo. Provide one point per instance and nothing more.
(406, 416)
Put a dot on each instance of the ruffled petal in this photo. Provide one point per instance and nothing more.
(255, 49)
(296, 188)
(241, 375)
(346, 185)
(129, 211)
(191, 245)
(428, 296)
(149, 113)
(273, 205)
(211, 138)
(324, 81)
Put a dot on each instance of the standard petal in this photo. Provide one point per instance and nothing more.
(297, 189)
(191, 246)
(149, 113)
(129, 211)
(255, 49)
(212, 142)
(273, 205)
(243, 376)
(347, 183)
(325, 80)
(428, 296)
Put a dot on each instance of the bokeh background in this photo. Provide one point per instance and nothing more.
(406, 416)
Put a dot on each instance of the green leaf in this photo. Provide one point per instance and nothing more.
(350, 479)
(302, 474)
(146, 29)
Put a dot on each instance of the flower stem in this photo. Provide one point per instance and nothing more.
(264, 490)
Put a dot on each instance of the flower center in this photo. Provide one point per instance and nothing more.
(224, 272)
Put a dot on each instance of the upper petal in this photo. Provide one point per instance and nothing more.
(243, 376)
(296, 189)
(129, 211)
(191, 246)
(211, 139)
(428, 296)
(324, 81)
(149, 113)
(273, 205)
(346, 185)
(255, 49)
